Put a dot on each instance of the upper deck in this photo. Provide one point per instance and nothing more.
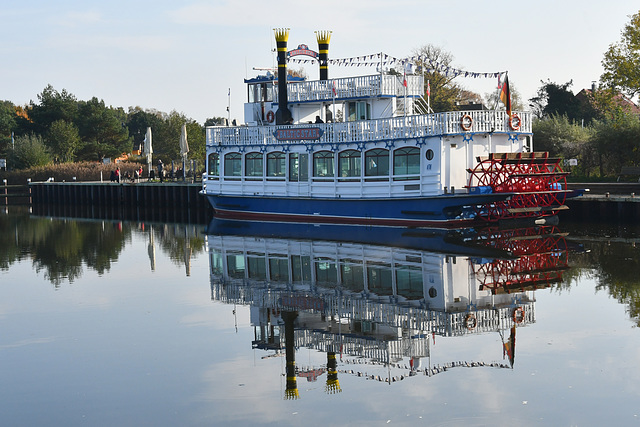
(361, 87)
(415, 126)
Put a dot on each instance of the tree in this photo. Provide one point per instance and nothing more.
(555, 99)
(53, 106)
(29, 151)
(64, 140)
(563, 138)
(616, 141)
(7, 125)
(215, 121)
(444, 92)
(103, 130)
(622, 61)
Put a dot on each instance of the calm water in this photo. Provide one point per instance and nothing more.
(132, 324)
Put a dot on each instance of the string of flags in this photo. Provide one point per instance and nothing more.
(385, 60)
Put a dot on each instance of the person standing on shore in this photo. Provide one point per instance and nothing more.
(160, 170)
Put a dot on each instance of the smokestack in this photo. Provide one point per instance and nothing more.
(283, 115)
(323, 49)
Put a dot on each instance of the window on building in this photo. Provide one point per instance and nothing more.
(323, 164)
(276, 164)
(406, 161)
(376, 162)
(253, 164)
(232, 164)
(349, 163)
(214, 164)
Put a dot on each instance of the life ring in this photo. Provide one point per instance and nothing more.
(470, 321)
(515, 121)
(270, 116)
(518, 315)
(466, 122)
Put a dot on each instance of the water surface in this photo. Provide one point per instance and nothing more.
(110, 323)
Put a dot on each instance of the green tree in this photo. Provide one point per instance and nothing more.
(103, 130)
(29, 151)
(622, 61)
(215, 121)
(64, 140)
(52, 106)
(444, 91)
(563, 138)
(7, 125)
(616, 141)
(556, 99)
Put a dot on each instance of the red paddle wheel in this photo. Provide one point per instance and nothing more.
(537, 182)
(541, 259)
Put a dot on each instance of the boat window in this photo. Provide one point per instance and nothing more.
(409, 282)
(215, 261)
(253, 164)
(301, 268)
(235, 266)
(326, 273)
(232, 164)
(376, 162)
(349, 163)
(352, 276)
(429, 154)
(359, 111)
(276, 164)
(379, 279)
(323, 164)
(214, 164)
(298, 167)
(279, 269)
(257, 268)
(406, 161)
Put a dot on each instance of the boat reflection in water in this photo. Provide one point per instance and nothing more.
(377, 296)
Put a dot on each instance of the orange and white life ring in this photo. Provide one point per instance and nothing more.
(515, 121)
(470, 321)
(466, 122)
(518, 315)
(270, 116)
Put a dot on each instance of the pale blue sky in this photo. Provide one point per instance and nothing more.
(186, 55)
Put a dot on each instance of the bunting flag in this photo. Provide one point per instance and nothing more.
(382, 59)
(505, 94)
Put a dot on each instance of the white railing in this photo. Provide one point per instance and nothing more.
(375, 130)
(353, 87)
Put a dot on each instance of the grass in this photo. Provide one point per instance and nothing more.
(82, 171)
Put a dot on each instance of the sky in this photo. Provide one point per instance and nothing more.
(187, 56)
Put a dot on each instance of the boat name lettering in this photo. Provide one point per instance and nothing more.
(302, 49)
(298, 134)
(302, 302)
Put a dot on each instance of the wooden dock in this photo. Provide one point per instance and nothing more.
(170, 201)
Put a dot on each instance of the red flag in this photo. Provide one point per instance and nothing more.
(428, 88)
(505, 95)
(404, 82)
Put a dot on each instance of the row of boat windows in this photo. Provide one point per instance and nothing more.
(324, 164)
(356, 277)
